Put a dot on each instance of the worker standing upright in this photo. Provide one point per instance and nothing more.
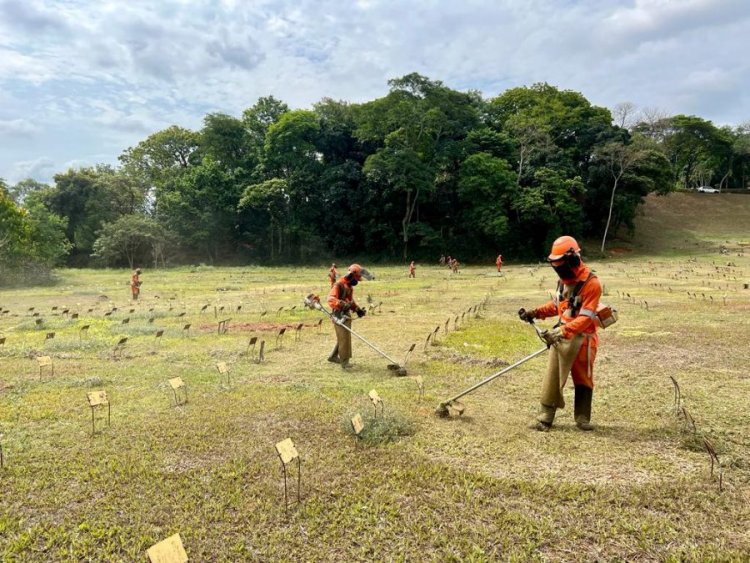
(341, 301)
(332, 274)
(135, 284)
(574, 341)
(412, 270)
(499, 262)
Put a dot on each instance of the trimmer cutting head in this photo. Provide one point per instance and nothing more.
(397, 368)
(451, 408)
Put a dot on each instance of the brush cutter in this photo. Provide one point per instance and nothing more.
(453, 407)
(312, 301)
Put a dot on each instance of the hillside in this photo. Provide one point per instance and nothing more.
(692, 222)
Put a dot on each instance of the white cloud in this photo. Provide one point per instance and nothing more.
(12, 127)
(40, 169)
(108, 73)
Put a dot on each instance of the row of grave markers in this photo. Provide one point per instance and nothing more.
(432, 335)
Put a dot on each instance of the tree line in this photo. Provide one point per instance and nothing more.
(421, 171)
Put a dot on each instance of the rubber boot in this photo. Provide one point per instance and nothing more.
(582, 407)
(345, 364)
(546, 418)
(334, 355)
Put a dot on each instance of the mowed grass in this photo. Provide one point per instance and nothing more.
(481, 487)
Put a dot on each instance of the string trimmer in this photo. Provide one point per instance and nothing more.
(453, 407)
(312, 301)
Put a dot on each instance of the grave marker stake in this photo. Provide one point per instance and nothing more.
(288, 452)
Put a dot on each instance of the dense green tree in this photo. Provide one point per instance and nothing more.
(132, 239)
(200, 207)
(162, 155)
(226, 141)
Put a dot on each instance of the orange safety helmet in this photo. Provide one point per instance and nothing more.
(359, 272)
(562, 246)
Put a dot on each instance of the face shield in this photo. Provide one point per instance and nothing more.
(566, 267)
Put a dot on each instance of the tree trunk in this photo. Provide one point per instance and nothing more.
(410, 206)
(611, 206)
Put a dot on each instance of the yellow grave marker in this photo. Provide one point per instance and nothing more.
(288, 452)
(45, 362)
(177, 383)
(357, 424)
(96, 400)
(169, 550)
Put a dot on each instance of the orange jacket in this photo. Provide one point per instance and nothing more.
(341, 293)
(585, 320)
(135, 281)
(499, 261)
(332, 273)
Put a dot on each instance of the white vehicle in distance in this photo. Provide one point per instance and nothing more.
(708, 190)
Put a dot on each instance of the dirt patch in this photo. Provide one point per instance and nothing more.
(619, 250)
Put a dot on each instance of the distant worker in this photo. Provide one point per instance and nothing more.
(499, 262)
(341, 301)
(412, 270)
(574, 340)
(442, 260)
(455, 266)
(332, 274)
(135, 284)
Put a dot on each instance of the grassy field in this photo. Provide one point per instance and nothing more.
(477, 488)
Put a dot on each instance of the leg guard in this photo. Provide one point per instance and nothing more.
(344, 342)
(582, 407)
(334, 355)
(546, 418)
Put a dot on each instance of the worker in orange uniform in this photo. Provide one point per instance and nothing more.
(499, 262)
(135, 284)
(412, 270)
(573, 342)
(332, 274)
(341, 301)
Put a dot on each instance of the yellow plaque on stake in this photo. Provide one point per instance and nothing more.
(44, 361)
(374, 397)
(222, 367)
(176, 383)
(287, 451)
(169, 550)
(97, 398)
(357, 424)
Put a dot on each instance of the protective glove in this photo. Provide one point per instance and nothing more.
(553, 336)
(526, 316)
(361, 313)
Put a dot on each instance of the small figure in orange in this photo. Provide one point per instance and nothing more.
(135, 284)
(332, 274)
(454, 265)
(574, 341)
(412, 270)
(499, 262)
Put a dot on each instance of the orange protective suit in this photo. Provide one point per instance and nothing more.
(135, 284)
(584, 322)
(499, 262)
(332, 275)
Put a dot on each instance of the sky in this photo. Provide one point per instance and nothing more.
(81, 81)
